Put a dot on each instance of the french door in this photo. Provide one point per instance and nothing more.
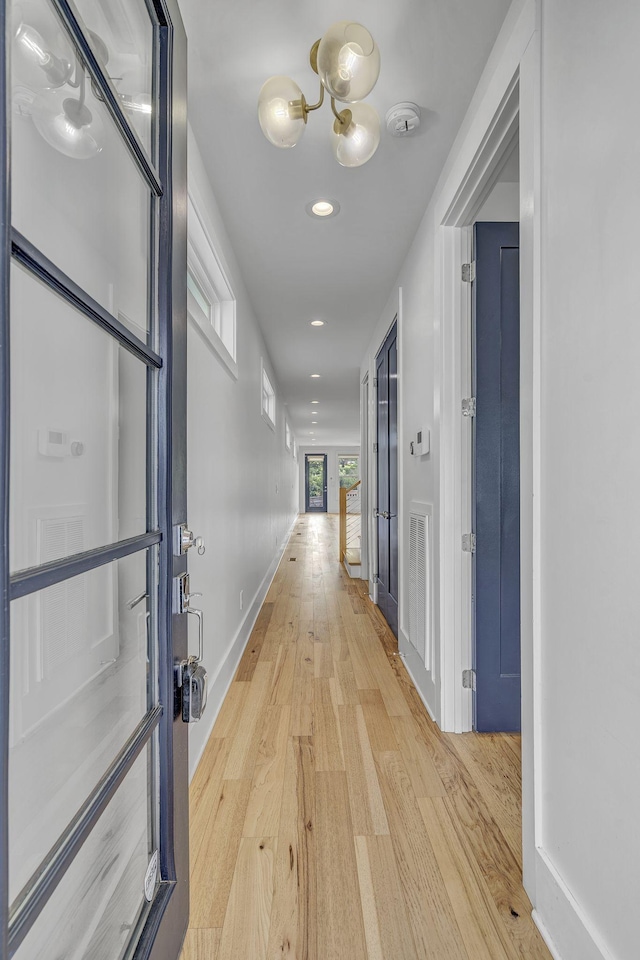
(315, 482)
(93, 752)
(387, 477)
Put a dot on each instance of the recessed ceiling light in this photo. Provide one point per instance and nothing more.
(315, 401)
(314, 421)
(314, 376)
(323, 209)
(317, 323)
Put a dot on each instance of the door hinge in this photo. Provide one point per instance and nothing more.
(469, 407)
(469, 679)
(469, 272)
(469, 542)
(375, 448)
(375, 381)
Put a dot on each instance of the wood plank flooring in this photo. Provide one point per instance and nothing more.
(330, 818)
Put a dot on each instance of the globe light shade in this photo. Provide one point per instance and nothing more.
(69, 126)
(358, 141)
(281, 111)
(42, 58)
(348, 61)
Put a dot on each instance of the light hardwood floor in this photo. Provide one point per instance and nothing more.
(330, 818)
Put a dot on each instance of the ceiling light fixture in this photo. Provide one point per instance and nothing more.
(315, 401)
(315, 376)
(347, 60)
(317, 323)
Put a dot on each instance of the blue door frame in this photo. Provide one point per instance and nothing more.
(161, 928)
(496, 336)
(387, 477)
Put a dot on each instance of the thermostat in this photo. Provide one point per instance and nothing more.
(421, 445)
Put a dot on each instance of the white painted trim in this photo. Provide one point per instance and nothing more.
(407, 653)
(507, 98)
(574, 936)
(220, 682)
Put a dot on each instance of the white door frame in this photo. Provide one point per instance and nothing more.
(506, 104)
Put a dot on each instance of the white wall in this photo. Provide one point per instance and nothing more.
(242, 481)
(582, 843)
(333, 480)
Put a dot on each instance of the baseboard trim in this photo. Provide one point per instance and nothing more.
(405, 659)
(220, 682)
(562, 922)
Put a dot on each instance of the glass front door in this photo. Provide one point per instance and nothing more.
(316, 483)
(92, 804)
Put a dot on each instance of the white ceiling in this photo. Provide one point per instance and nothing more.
(342, 269)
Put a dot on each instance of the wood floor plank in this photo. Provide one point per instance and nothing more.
(480, 834)
(378, 665)
(497, 782)
(367, 809)
(244, 748)
(327, 739)
(228, 720)
(293, 931)
(201, 944)
(246, 925)
(378, 722)
(212, 873)
(433, 922)
(417, 759)
(322, 660)
(204, 794)
(265, 800)
(386, 924)
(302, 689)
(282, 683)
(340, 923)
(347, 682)
(477, 916)
(252, 651)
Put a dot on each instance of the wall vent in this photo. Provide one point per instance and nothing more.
(420, 586)
(63, 607)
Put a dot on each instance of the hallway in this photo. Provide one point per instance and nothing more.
(330, 818)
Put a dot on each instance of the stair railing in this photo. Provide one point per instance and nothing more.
(349, 518)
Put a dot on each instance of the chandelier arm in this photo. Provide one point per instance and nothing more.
(316, 106)
(337, 115)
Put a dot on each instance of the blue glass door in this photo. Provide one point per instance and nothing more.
(93, 777)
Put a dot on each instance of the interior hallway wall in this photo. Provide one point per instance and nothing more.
(582, 870)
(333, 479)
(242, 480)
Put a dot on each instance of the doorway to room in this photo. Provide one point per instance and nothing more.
(315, 483)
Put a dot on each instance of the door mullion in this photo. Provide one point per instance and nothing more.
(25, 253)
(33, 897)
(109, 95)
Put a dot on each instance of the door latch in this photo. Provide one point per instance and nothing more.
(191, 676)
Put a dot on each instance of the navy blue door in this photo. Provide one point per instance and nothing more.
(496, 316)
(387, 471)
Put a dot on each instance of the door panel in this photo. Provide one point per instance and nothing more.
(315, 484)
(387, 478)
(497, 477)
(93, 750)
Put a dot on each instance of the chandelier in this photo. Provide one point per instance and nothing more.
(347, 60)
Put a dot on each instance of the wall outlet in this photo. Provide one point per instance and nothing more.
(241, 599)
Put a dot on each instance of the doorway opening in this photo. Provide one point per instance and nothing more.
(315, 482)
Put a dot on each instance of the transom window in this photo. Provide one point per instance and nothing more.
(210, 300)
(268, 399)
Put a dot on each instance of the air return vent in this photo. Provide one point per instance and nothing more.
(420, 583)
